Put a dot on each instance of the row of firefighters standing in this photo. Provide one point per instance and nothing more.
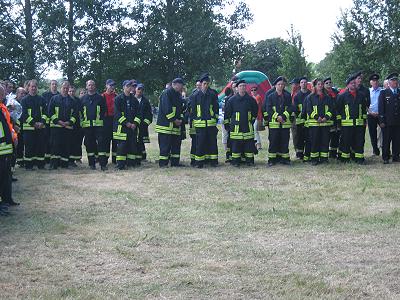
(328, 123)
(55, 125)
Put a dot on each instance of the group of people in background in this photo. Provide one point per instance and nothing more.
(325, 123)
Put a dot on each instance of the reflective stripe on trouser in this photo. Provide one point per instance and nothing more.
(127, 149)
(243, 147)
(76, 147)
(193, 147)
(352, 140)
(319, 137)
(61, 146)
(35, 147)
(278, 143)
(170, 148)
(206, 145)
(94, 143)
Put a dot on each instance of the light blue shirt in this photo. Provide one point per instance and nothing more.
(374, 93)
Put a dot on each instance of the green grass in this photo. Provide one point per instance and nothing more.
(329, 232)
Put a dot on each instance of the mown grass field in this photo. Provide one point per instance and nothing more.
(325, 232)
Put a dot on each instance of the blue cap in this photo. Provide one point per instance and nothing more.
(140, 86)
(204, 77)
(393, 76)
(280, 78)
(178, 80)
(351, 78)
(127, 82)
(110, 82)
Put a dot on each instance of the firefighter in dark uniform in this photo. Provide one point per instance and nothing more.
(278, 109)
(63, 116)
(334, 134)
(389, 118)
(47, 97)
(8, 139)
(192, 130)
(352, 108)
(320, 119)
(126, 126)
(34, 119)
(77, 134)
(240, 114)
(205, 113)
(92, 120)
(298, 102)
(169, 121)
(146, 118)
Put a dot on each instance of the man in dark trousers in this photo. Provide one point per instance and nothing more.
(373, 113)
(278, 110)
(47, 97)
(34, 119)
(335, 131)
(298, 102)
(352, 108)
(146, 117)
(389, 118)
(109, 96)
(204, 113)
(126, 126)
(240, 113)
(169, 121)
(92, 120)
(77, 134)
(63, 115)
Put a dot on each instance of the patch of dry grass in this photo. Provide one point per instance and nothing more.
(250, 233)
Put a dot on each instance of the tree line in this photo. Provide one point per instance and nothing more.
(157, 40)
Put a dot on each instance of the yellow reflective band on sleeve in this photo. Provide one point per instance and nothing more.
(286, 114)
(137, 120)
(147, 121)
(73, 120)
(172, 114)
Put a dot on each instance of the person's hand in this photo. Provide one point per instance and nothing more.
(323, 120)
(178, 122)
(129, 124)
(133, 126)
(280, 119)
(382, 125)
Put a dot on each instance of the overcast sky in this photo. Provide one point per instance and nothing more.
(314, 19)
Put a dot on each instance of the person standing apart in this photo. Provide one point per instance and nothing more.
(389, 118)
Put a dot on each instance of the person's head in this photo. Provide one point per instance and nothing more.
(241, 87)
(198, 85)
(64, 88)
(139, 90)
(374, 80)
(53, 86)
(254, 91)
(82, 92)
(295, 83)
(21, 92)
(386, 84)
(280, 84)
(328, 83)
(351, 83)
(234, 88)
(177, 84)
(110, 86)
(91, 87)
(303, 83)
(359, 78)
(318, 85)
(393, 80)
(9, 87)
(134, 85)
(71, 91)
(127, 87)
(32, 87)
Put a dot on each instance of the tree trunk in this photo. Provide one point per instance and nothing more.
(70, 51)
(30, 67)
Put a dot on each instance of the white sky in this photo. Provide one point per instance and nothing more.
(315, 20)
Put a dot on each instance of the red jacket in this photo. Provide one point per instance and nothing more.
(110, 103)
